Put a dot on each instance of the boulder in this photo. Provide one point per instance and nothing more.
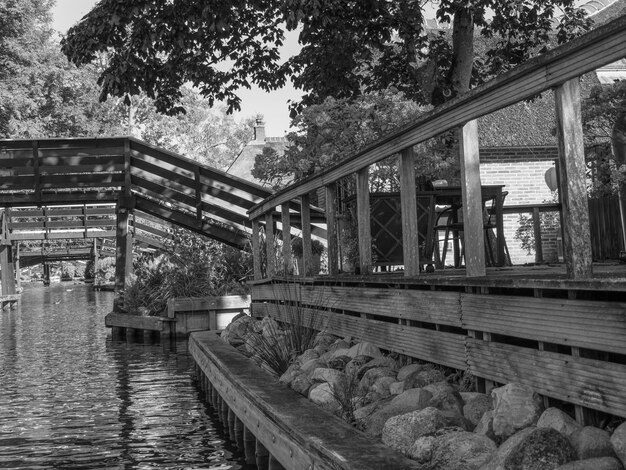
(372, 375)
(401, 431)
(410, 400)
(455, 419)
(365, 410)
(339, 344)
(590, 442)
(338, 363)
(476, 406)
(485, 426)
(618, 440)
(460, 450)
(301, 384)
(532, 449)
(396, 388)
(364, 349)
(423, 377)
(405, 371)
(383, 361)
(445, 397)
(556, 419)
(381, 386)
(324, 339)
(335, 378)
(292, 371)
(308, 355)
(599, 463)
(309, 367)
(334, 354)
(237, 329)
(323, 396)
(422, 449)
(356, 363)
(515, 407)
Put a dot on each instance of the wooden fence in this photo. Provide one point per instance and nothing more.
(567, 349)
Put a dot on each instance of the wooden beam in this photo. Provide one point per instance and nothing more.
(286, 231)
(270, 249)
(408, 208)
(121, 253)
(473, 231)
(307, 247)
(599, 47)
(363, 220)
(256, 250)
(573, 187)
(331, 229)
(7, 268)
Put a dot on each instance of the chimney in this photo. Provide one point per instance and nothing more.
(259, 130)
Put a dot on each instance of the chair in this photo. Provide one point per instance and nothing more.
(449, 222)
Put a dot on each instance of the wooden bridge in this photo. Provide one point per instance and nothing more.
(113, 187)
(561, 329)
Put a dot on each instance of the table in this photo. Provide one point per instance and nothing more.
(452, 196)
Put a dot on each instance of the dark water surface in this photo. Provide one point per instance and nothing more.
(72, 398)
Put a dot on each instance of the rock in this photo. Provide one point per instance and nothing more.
(338, 363)
(410, 400)
(590, 442)
(405, 371)
(324, 339)
(330, 355)
(292, 371)
(532, 449)
(476, 406)
(375, 363)
(323, 395)
(485, 426)
(237, 329)
(618, 440)
(364, 349)
(599, 463)
(366, 410)
(469, 396)
(396, 388)
(308, 355)
(515, 407)
(335, 378)
(460, 450)
(356, 363)
(559, 420)
(257, 326)
(309, 367)
(301, 384)
(445, 397)
(455, 419)
(339, 344)
(401, 431)
(381, 386)
(372, 375)
(422, 449)
(423, 377)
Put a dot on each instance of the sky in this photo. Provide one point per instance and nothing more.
(273, 106)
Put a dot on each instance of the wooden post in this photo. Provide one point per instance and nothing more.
(573, 188)
(408, 209)
(18, 277)
(307, 247)
(537, 234)
(256, 250)
(270, 249)
(123, 251)
(36, 171)
(473, 235)
(249, 446)
(286, 226)
(331, 229)
(239, 434)
(262, 456)
(7, 276)
(363, 219)
(231, 424)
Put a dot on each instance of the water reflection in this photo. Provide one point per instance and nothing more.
(72, 398)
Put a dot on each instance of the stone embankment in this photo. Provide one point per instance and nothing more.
(419, 411)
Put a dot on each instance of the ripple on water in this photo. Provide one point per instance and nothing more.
(72, 398)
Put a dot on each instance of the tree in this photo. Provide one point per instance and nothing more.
(349, 46)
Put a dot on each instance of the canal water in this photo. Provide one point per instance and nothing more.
(70, 397)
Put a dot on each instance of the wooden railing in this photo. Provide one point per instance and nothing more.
(559, 70)
(562, 347)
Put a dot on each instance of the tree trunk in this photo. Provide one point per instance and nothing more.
(462, 51)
